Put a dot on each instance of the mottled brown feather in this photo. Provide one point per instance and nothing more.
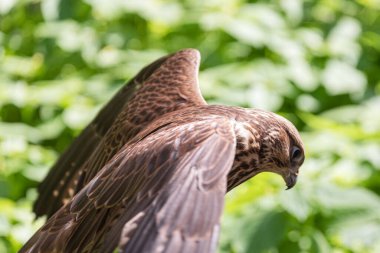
(168, 84)
(183, 192)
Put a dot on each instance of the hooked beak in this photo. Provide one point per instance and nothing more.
(291, 180)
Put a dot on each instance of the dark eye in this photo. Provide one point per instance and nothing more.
(296, 153)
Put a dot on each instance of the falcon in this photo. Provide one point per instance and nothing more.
(150, 172)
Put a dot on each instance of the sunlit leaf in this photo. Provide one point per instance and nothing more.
(296, 203)
(332, 198)
(340, 77)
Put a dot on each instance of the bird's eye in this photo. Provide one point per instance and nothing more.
(296, 153)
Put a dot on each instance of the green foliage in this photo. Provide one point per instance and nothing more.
(314, 61)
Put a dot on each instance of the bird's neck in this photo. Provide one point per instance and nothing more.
(246, 164)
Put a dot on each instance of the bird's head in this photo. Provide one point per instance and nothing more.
(281, 148)
(275, 146)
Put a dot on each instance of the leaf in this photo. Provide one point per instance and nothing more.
(295, 202)
(360, 234)
(333, 198)
(341, 78)
(351, 130)
(267, 232)
(320, 243)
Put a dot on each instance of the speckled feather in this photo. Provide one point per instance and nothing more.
(143, 99)
(153, 177)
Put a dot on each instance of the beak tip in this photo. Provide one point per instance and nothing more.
(291, 181)
(288, 187)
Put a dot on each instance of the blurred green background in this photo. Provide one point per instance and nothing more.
(315, 62)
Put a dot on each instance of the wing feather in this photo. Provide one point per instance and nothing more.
(168, 84)
(174, 205)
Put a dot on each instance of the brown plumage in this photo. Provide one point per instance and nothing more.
(151, 171)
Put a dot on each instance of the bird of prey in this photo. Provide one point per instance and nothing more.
(150, 172)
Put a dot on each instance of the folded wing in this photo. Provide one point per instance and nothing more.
(164, 193)
(168, 84)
